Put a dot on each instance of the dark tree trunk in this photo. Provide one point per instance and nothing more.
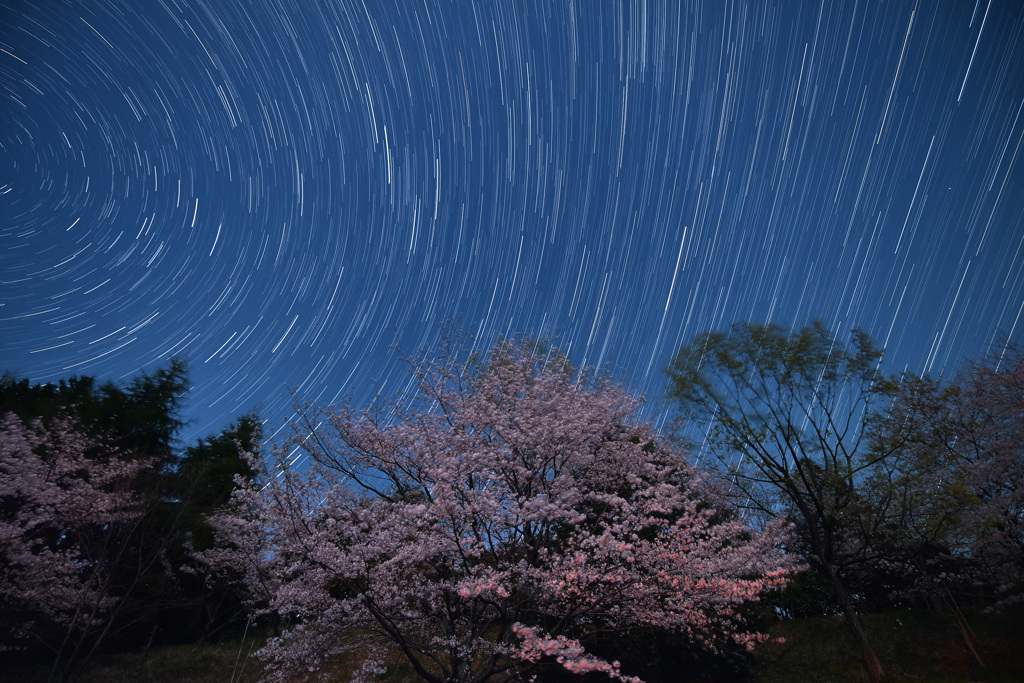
(871, 663)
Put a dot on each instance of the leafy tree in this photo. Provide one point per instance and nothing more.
(501, 519)
(66, 509)
(787, 416)
(920, 473)
(965, 530)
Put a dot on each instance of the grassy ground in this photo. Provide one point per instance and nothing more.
(227, 662)
(912, 645)
(207, 663)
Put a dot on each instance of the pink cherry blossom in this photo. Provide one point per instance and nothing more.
(488, 526)
(62, 495)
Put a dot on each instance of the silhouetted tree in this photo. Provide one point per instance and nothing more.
(202, 482)
(787, 416)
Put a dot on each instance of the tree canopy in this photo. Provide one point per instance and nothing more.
(787, 417)
(898, 486)
(491, 525)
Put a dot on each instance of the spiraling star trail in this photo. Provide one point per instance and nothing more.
(282, 191)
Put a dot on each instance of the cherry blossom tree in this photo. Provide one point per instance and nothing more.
(64, 501)
(140, 419)
(489, 526)
(950, 498)
(961, 467)
(970, 432)
(990, 439)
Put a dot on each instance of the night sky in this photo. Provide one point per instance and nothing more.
(281, 191)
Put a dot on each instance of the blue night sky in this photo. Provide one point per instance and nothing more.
(280, 191)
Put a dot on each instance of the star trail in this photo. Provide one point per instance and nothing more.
(282, 191)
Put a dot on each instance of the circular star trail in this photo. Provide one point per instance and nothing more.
(281, 192)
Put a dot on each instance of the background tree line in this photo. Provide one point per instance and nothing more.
(516, 514)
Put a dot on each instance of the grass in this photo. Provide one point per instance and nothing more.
(913, 645)
(225, 662)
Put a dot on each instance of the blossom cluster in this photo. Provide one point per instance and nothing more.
(516, 509)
